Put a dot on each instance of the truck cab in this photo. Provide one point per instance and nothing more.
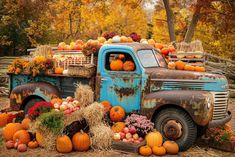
(179, 103)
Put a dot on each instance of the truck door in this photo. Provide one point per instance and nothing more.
(121, 88)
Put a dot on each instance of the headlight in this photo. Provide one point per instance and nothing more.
(208, 102)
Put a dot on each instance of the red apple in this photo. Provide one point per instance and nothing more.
(124, 140)
(132, 130)
(116, 136)
(140, 139)
(136, 136)
(22, 148)
(128, 136)
(122, 134)
(232, 138)
(131, 140)
(136, 141)
(10, 144)
(77, 47)
(69, 99)
(126, 130)
(16, 144)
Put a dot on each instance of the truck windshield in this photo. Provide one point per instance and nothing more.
(151, 58)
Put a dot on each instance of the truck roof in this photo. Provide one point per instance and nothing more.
(134, 45)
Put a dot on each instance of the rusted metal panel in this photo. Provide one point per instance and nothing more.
(41, 89)
(194, 102)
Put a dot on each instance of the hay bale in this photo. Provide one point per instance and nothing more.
(101, 136)
(94, 113)
(50, 142)
(84, 94)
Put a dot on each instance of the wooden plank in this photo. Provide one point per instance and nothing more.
(127, 146)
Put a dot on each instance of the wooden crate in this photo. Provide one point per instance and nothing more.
(127, 147)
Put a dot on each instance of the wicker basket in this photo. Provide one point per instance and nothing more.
(81, 70)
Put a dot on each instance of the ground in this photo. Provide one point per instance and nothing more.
(195, 151)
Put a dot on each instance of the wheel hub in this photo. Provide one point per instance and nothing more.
(172, 129)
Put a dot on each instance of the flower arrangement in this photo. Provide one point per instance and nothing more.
(39, 108)
(220, 134)
(37, 65)
(18, 66)
(141, 123)
(92, 46)
(135, 37)
(109, 35)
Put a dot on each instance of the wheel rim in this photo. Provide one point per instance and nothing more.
(172, 129)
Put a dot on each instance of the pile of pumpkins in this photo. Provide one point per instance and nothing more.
(180, 65)
(17, 136)
(120, 64)
(154, 145)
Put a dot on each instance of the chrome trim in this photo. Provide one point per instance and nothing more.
(220, 105)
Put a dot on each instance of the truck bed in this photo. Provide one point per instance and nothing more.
(66, 84)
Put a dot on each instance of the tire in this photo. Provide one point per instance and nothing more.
(30, 103)
(188, 127)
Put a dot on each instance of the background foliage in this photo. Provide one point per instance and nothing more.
(28, 23)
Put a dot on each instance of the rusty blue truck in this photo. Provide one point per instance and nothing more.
(179, 103)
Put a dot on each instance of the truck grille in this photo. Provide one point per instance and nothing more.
(220, 105)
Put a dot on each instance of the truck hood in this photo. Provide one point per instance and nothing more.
(179, 79)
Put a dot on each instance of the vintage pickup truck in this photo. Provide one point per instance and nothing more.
(180, 103)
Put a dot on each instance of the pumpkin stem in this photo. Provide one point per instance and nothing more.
(81, 131)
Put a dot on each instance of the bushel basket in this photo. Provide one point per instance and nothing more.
(81, 70)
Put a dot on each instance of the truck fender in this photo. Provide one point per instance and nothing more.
(198, 104)
(43, 90)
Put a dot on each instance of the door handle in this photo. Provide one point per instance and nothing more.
(103, 79)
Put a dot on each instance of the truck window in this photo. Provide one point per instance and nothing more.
(150, 59)
(116, 55)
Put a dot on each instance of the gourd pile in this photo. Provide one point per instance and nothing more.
(180, 65)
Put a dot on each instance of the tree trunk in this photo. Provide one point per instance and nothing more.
(170, 20)
(191, 28)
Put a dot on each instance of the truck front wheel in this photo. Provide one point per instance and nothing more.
(177, 125)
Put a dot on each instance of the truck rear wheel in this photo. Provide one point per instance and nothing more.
(31, 102)
(177, 125)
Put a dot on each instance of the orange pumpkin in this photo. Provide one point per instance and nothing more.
(64, 144)
(56, 100)
(59, 70)
(33, 144)
(171, 147)
(107, 106)
(22, 136)
(145, 150)
(3, 119)
(25, 123)
(81, 141)
(159, 46)
(189, 67)
(165, 51)
(160, 151)
(121, 56)
(118, 127)
(171, 65)
(10, 130)
(154, 139)
(180, 65)
(171, 49)
(117, 114)
(200, 69)
(40, 139)
(116, 65)
(129, 66)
